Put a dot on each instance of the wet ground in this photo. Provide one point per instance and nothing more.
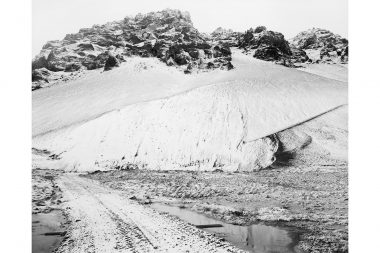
(101, 219)
(46, 195)
(314, 201)
(44, 231)
(47, 218)
(277, 210)
(254, 238)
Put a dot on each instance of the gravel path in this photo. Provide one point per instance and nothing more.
(103, 220)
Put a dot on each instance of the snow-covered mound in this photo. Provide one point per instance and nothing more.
(227, 123)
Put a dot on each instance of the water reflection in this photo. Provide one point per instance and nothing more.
(254, 238)
(44, 223)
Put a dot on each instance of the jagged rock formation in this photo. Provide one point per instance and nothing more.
(270, 46)
(226, 36)
(168, 35)
(322, 46)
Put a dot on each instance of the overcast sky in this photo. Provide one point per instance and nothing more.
(53, 19)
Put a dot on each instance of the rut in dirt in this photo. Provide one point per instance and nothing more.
(104, 220)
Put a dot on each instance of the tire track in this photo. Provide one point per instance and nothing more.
(103, 220)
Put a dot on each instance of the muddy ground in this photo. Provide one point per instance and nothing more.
(46, 195)
(48, 218)
(314, 200)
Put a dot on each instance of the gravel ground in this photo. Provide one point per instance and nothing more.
(314, 201)
(101, 219)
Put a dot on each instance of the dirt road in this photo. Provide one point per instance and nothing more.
(101, 219)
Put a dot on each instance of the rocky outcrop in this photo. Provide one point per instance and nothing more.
(226, 36)
(322, 46)
(168, 35)
(272, 46)
(266, 45)
(298, 55)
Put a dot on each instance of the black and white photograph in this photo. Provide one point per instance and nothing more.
(188, 126)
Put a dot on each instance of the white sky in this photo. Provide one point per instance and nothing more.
(53, 19)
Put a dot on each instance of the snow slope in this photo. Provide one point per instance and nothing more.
(98, 92)
(220, 119)
(333, 71)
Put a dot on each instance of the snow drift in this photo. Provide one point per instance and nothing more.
(215, 120)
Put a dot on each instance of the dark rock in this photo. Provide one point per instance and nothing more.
(274, 39)
(260, 29)
(221, 51)
(36, 86)
(57, 62)
(73, 67)
(269, 45)
(39, 62)
(299, 55)
(230, 66)
(182, 58)
(120, 58)
(111, 63)
(189, 68)
(40, 75)
(268, 53)
(210, 65)
(344, 55)
(194, 53)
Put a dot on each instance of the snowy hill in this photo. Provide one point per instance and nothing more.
(168, 120)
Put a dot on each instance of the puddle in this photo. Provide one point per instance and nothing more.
(46, 223)
(254, 238)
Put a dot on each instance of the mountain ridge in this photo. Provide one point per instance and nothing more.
(170, 36)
